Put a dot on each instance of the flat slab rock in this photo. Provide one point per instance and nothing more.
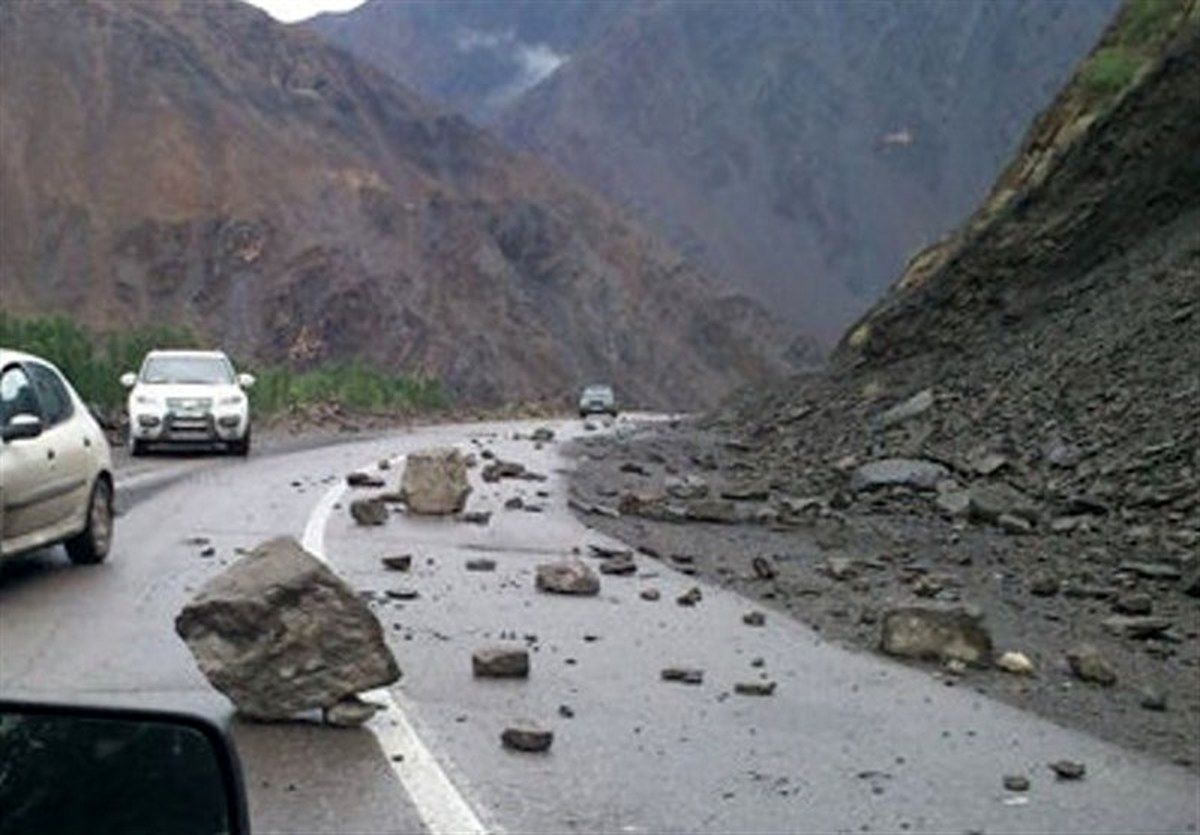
(567, 577)
(904, 472)
(942, 633)
(278, 633)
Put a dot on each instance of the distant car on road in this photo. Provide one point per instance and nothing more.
(188, 398)
(598, 400)
(56, 482)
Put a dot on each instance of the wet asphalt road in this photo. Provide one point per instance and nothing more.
(848, 743)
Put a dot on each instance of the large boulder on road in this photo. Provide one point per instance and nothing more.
(435, 481)
(278, 633)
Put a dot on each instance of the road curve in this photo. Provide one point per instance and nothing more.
(849, 742)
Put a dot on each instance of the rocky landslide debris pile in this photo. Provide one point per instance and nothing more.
(279, 633)
(1015, 426)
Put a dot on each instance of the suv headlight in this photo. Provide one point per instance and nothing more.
(144, 400)
(232, 400)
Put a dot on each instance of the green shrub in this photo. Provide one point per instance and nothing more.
(94, 364)
(1110, 69)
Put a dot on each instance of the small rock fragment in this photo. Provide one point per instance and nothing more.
(619, 566)
(1068, 769)
(690, 597)
(350, 712)
(1044, 584)
(686, 675)
(1088, 664)
(763, 569)
(936, 632)
(527, 737)
(1016, 782)
(400, 562)
(369, 512)
(567, 577)
(402, 594)
(650, 594)
(1016, 663)
(481, 564)
(755, 618)
(1137, 627)
(476, 517)
(1151, 698)
(754, 688)
(500, 662)
(1133, 603)
(904, 472)
(361, 479)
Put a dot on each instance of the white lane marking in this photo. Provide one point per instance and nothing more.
(442, 808)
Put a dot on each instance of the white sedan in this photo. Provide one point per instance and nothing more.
(56, 482)
(188, 398)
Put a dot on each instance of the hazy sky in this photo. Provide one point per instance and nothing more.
(293, 10)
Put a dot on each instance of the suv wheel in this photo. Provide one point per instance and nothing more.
(91, 546)
(241, 447)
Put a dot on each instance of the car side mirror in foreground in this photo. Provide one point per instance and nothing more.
(128, 379)
(20, 427)
(245, 380)
(84, 769)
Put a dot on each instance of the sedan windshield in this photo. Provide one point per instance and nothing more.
(187, 370)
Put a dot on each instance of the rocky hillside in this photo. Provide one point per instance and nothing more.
(803, 150)
(197, 163)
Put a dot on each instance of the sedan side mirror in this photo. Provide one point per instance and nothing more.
(21, 427)
(245, 380)
(129, 379)
(93, 769)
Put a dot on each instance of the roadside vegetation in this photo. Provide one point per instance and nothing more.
(94, 363)
(1136, 38)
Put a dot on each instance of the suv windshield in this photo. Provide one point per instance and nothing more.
(187, 370)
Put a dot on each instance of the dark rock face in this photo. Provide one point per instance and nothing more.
(650, 106)
(278, 633)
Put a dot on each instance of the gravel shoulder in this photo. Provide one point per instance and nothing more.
(839, 561)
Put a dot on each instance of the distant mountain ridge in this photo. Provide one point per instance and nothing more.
(199, 163)
(801, 151)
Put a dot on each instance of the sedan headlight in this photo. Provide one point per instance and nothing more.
(232, 400)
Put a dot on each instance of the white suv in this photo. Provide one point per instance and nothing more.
(189, 398)
(56, 481)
